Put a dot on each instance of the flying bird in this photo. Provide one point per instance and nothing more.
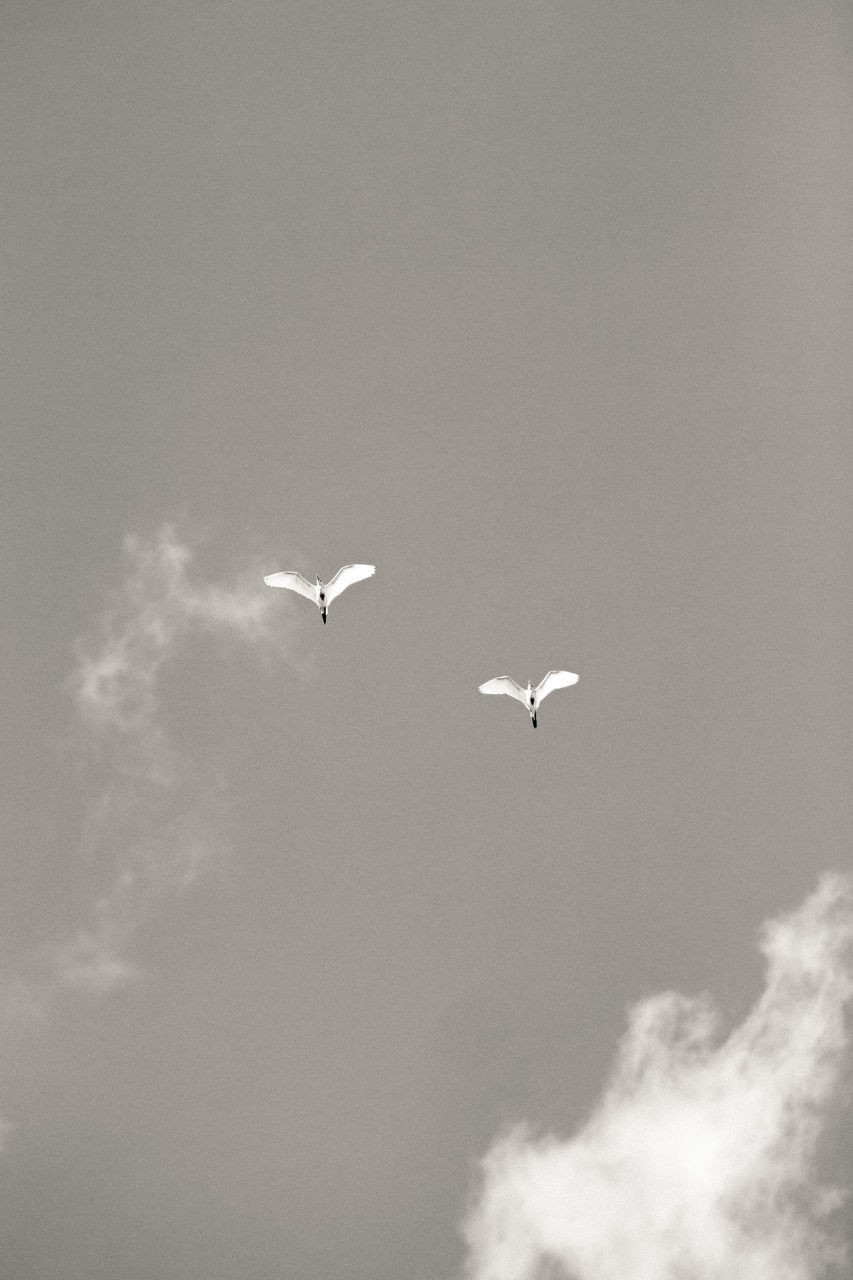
(322, 593)
(530, 697)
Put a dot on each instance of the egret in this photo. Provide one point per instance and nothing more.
(530, 697)
(322, 593)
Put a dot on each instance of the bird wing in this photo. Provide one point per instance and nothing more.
(505, 684)
(554, 680)
(346, 577)
(293, 582)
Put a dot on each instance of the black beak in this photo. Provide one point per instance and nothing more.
(534, 719)
(324, 617)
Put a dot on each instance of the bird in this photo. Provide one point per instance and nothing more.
(322, 593)
(530, 697)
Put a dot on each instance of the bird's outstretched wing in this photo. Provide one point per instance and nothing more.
(346, 577)
(554, 680)
(505, 684)
(293, 582)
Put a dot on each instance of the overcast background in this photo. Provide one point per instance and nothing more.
(544, 309)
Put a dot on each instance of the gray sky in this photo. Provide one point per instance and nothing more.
(545, 310)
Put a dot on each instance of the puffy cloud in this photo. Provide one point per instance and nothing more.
(699, 1163)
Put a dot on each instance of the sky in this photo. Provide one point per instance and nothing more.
(314, 962)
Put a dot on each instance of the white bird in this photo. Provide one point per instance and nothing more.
(322, 593)
(530, 697)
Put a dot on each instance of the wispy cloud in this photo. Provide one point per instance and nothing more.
(160, 602)
(699, 1163)
(151, 827)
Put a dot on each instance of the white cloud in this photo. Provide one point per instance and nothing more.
(699, 1163)
(152, 829)
(158, 604)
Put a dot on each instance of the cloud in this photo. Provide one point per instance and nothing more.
(159, 603)
(699, 1163)
(153, 825)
